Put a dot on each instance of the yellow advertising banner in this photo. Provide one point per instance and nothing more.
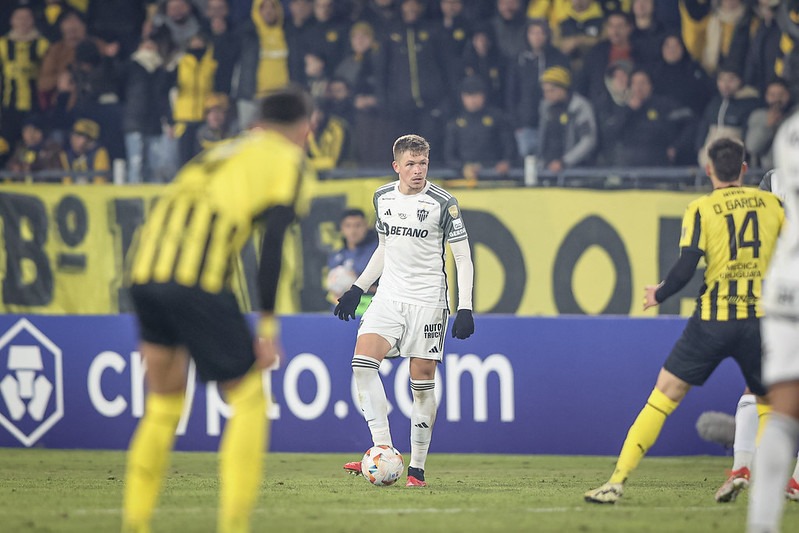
(536, 251)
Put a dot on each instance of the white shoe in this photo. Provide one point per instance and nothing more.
(607, 493)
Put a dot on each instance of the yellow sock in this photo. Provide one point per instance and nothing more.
(643, 434)
(241, 454)
(148, 458)
(763, 414)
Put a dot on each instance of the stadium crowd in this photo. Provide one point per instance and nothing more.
(575, 83)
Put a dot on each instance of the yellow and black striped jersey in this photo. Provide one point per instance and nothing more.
(20, 62)
(198, 227)
(736, 229)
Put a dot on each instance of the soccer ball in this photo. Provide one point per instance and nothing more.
(382, 465)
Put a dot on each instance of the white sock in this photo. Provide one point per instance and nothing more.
(770, 473)
(372, 397)
(796, 469)
(423, 416)
(746, 422)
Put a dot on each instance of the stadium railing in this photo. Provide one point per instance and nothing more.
(608, 178)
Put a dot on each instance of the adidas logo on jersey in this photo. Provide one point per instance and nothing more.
(434, 349)
(387, 213)
(422, 425)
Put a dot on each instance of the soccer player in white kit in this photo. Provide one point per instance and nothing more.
(408, 314)
(781, 349)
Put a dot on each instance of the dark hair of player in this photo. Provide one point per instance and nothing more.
(727, 156)
(286, 106)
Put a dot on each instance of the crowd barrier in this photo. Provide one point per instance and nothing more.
(567, 385)
(537, 251)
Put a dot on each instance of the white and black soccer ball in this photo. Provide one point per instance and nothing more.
(382, 465)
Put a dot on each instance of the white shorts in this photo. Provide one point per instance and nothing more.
(411, 330)
(780, 349)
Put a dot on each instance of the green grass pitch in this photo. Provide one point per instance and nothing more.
(71, 491)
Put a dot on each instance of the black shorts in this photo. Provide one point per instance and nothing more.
(209, 325)
(704, 344)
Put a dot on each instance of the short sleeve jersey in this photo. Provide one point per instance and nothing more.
(736, 229)
(416, 227)
(199, 225)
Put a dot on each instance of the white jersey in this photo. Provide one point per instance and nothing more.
(415, 227)
(781, 289)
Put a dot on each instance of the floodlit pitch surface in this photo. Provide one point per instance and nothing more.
(46, 490)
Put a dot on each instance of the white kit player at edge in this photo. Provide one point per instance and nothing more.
(408, 314)
(781, 349)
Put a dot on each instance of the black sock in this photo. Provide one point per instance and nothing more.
(418, 473)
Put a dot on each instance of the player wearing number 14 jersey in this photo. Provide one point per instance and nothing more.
(735, 229)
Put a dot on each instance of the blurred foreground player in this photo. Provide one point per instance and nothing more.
(736, 229)
(781, 357)
(180, 274)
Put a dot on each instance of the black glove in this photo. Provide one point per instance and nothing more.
(348, 303)
(464, 324)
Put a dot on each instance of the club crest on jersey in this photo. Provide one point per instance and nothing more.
(421, 214)
(453, 211)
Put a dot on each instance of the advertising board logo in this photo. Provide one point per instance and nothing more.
(31, 383)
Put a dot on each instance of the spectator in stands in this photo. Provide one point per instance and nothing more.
(346, 264)
(194, 79)
(178, 21)
(590, 79)
(84, 153)
(263, 65)
(568, 132)
(650, 130)
(328, 36)
(716, 33)
(380, 15)
(523, 90)
(727, 113)
(94, 93)
(34, 152)
(358, 62)
(764, 48)
(5, 149)
(328, 142)
(60, 56)
(217, 123)
(676, 75)
(226, 43)
(608, 106)
(370, 123)
(48, 18)
(455, 27)
(482, 58)
(339, 97)
(21, 54)
(411, 76)
(146, 107)
(118, 21)
(764, 122)
(509, 28)
(479, 137)
(315, 78)
(298, 30)
(578, 31)
(647, 32)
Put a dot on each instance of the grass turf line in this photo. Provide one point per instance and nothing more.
(75, 490)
